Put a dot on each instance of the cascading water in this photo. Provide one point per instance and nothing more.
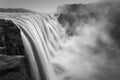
(41, 38)
(84, 50)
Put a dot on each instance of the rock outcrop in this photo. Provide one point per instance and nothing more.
(12, 52)
(10, 39)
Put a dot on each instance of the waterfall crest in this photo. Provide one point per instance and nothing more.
(41, 38)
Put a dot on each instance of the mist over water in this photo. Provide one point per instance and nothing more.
(91, 51)
(81, 49)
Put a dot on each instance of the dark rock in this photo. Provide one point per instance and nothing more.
(12, 52)
(10, 39)
(12, 65)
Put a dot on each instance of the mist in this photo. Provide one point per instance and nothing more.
(90, 44)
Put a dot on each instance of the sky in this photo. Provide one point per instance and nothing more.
(39, 5)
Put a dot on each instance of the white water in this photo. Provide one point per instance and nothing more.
(45, 47)
(37, 33)
(41, 38)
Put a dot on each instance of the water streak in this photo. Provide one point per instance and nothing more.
(41, 38)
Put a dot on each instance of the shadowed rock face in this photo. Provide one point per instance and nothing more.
(98, 26)
(11, 52)
(10, 39)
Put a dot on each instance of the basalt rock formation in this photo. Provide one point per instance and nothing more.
(11, 51)
(10, 39)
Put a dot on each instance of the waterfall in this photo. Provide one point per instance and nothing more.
(88, 54)
(53, 55)
(41, 38)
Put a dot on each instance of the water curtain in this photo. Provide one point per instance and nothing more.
(41, 38)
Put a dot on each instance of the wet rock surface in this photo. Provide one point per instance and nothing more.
(10, 39)
(11, 52)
